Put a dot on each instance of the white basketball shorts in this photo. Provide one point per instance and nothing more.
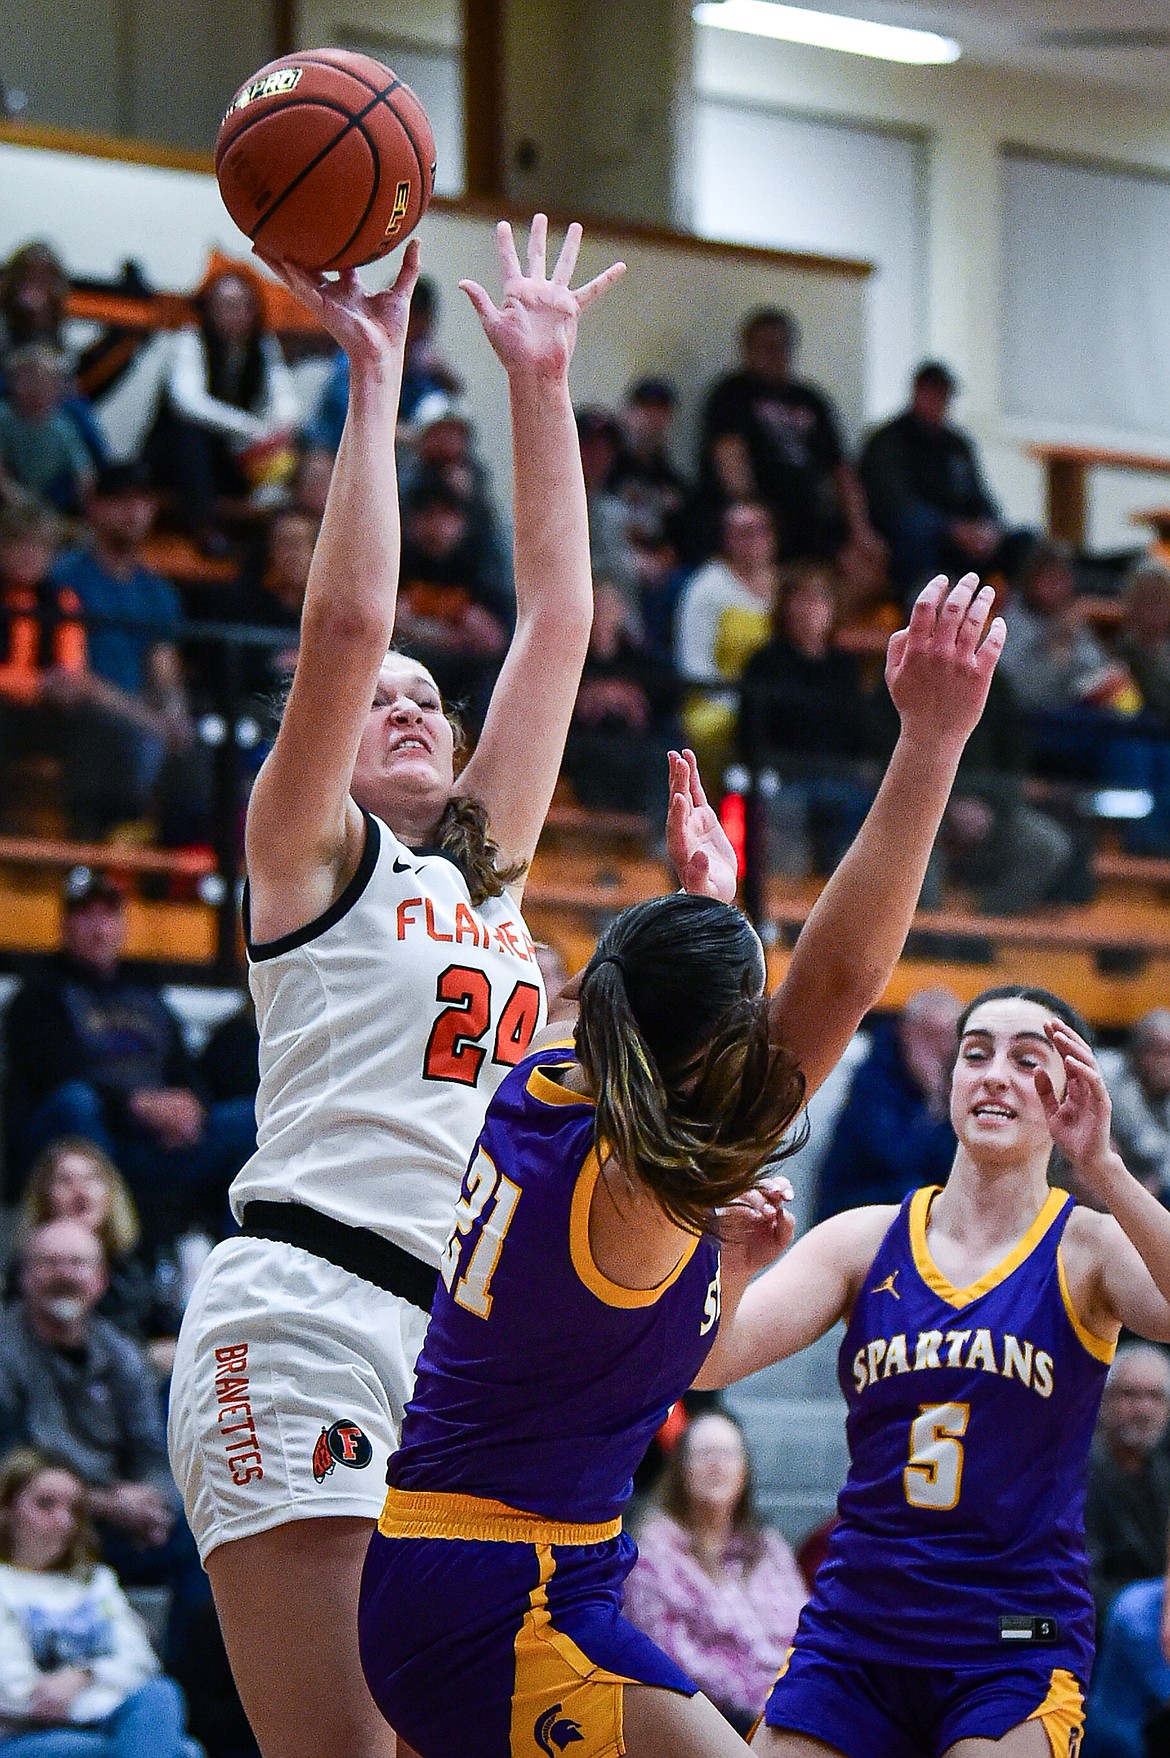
(290, 1380)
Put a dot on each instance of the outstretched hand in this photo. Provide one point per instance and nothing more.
(1079, 1119)
(369, 326)
(755, 1229)
(938, 668)
(534, 327)
(696, 843)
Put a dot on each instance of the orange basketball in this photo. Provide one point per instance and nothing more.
(325, 158)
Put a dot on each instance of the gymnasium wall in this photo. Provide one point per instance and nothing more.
(676, 312)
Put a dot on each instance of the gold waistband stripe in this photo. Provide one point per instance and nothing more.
(419, 1513)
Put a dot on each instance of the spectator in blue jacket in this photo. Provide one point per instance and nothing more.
(1131, 1680)
(894, 1132)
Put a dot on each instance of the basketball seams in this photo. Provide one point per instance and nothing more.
(353, 121)
(375, 185)
(409, 133)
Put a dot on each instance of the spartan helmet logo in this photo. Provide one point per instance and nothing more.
(342, 1444)
(554, 1731)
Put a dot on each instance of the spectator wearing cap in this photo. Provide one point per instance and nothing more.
(645, 474)
(424, 371)
(93, 1050)
(449, 613)
(926, 488)
(41, 448)
(770, 436)
(134, 618)
(442, 453)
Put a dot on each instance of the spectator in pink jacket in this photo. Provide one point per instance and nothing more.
(716, 1589)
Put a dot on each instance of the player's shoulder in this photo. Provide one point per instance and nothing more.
(853, 1238)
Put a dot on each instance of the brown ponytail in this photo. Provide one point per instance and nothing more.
(462, 832)
(693, 1098)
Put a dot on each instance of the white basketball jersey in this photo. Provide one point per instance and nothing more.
(385, 1027)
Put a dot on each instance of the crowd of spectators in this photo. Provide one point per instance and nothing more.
(730, 585)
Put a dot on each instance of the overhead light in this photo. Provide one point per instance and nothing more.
(828, 30)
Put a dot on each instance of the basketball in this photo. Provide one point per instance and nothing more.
(325, 158)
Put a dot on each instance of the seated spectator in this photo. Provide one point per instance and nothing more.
(270, 596)
(1074, 693)
(893, 1132)
(136, 690)
(621, 729)
(645, 474)
(803, 713)
(41, 447)
(1143, 647)
(1010, 853)
(72, 1180)
(1140, 1092)
(78, 1676)
(229, 1063)
(231, 408)
(442, 454)
(609, 516)
(717, 1590)
(93, 1050)
(927, 492)
(724, 615)
(771, 437)
(424, 370)
(1126, 1711)
(33, 291)
(1128, 1502)
(448, 613)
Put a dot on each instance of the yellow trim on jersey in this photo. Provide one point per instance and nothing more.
(1101, 1348)
(581, 1252)
(920, 1207)
(552, 1092)
(1062, 1714)
(556, 1683)
(420, 1513)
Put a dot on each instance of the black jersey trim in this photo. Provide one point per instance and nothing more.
(340, 906)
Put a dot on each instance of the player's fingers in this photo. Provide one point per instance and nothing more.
(924, 615)
(509, 261)
(537, 241)
(992, 645)
(599, 284)
(699, 867)
(953, 611)
(407, 274)
(567, 261)
(694, 780)
(1046, 1092)
(896, 649)
(484, 308)
(1059, 1030)
(972, 625)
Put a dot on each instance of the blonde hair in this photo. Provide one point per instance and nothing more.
(119, 1233)
(19, 1468)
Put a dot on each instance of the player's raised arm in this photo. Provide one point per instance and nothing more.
(304, 833)
(938, 670)
(796, 1301)
(533, 331)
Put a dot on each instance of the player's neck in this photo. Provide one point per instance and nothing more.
(990, 1205)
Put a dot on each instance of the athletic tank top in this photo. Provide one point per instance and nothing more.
(385, 1027)
(541, 1382)
(971, 1410)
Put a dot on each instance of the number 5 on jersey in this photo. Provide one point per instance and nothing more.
(470, 1287)
(934, 1475)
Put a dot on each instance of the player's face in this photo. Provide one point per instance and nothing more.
(995, 1108)
(406, 760)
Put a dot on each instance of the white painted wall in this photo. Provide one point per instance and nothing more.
(966, 113)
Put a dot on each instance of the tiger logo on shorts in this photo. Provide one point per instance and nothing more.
(343, 1443)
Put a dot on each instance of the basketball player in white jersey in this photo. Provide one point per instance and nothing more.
(395, 984)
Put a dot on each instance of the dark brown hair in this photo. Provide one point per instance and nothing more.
(693, 1097)
(1021, 992)
(18, 1469)
(674, 1495)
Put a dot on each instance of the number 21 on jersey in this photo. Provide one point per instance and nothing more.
(470, 1284)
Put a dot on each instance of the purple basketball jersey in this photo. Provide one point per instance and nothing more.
(971, 1411)
(541, 1382)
